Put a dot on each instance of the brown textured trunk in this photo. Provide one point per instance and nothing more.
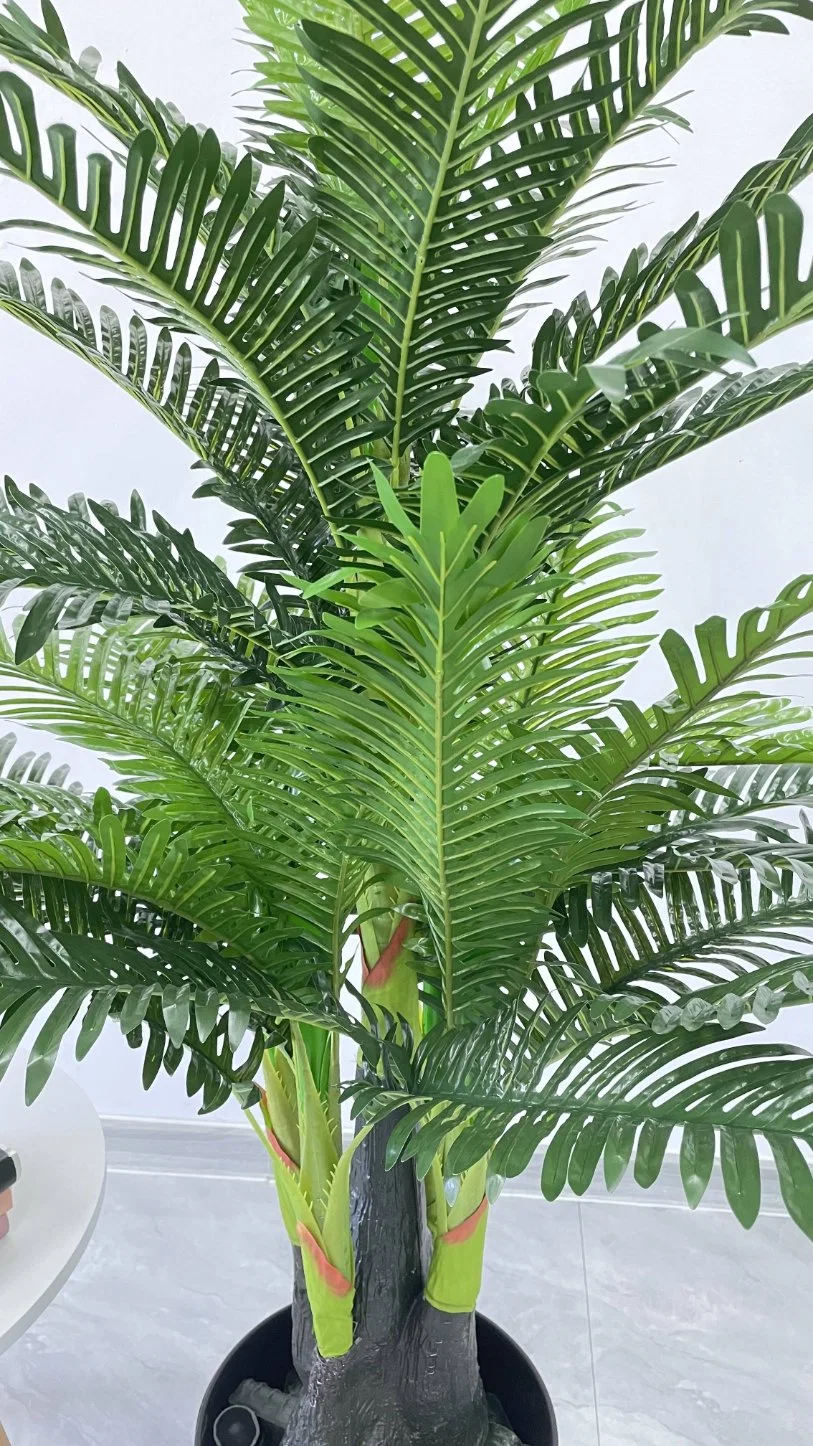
(411, 1377)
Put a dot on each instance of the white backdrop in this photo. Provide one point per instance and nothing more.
(730, 525)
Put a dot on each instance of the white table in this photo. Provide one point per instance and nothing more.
(57, 1201)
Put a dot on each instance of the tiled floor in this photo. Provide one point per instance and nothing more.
(651, 1326)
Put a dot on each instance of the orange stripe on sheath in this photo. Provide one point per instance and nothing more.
(6, 1201)
(336, 1283)
(379, 974)
(280, 1153)
(467, 1227)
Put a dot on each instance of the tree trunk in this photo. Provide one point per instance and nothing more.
(411, 1377)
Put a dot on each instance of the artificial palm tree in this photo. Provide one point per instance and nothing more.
(400, 734)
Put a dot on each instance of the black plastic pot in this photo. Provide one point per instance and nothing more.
(265, 1355)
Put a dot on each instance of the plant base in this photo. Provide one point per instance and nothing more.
(266, 1355)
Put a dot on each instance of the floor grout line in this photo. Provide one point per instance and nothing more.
(237, 1126)
(254, 1179)
(632, 1204)
(187, 1175)
(589, 1326)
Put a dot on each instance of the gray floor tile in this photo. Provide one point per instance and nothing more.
(178, 1270)
(534, 1286)
(181, 1267)
(185, 1147)
(701, 1332)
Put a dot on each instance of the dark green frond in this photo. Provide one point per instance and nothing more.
(95, 566)
(188, 750)
(694, 420)
(702, 930)
(253, 288)
(641, 780)
(729, 801)
(36, 796)
(567, 442)
(619, 1096)
(212, 1068)
(171, 743)
(253, 469)
(585, 331)
(84, 972)
(124, 109)
(454, 140)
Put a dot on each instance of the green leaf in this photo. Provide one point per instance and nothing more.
(439, 510)
(739, 1159)
(667, 1019)
(795, 1181)
(730, 1011)
(697, 1152)
(44, 1050)
(766, 1005)
(618, 1151)
(40, 621)
(696, 1013)
(652, 1144)
(93, 565)
(586, 1155)
(609, 379)
(556, 1163)
(220, 262)
(175, 1003)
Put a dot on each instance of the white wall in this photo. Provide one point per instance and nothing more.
(730, 525)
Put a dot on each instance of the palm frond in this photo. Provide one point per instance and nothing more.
(678, 429)
(728, 801)
(569, 660)
(34, 795)
(160, 872)
(106, 967)
(642, 783)
(583, 332)
(453, 151)
(619, 1096)
(91, 565)
(185, 873)
(191, 755)
(251, 288)
(722, 825)
(415, 186)
(700, 930)
(44, 50)
(567, 441)
(440, 773)
(235, 439)
(171, 744)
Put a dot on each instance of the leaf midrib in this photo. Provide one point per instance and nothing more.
(435, 199)
(572, 1105)
(440, 769)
